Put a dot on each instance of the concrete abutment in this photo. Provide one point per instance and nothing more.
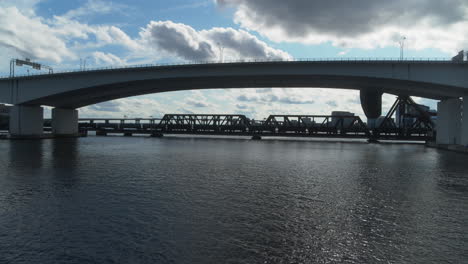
(26, 121)
(449, 120)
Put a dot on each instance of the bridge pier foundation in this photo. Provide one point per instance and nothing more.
(101, 133)
(449, 117)
(155, 134)
(65, 122)
(26, 121)
(256, 137)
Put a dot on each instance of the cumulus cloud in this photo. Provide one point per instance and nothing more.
(295, 100)
(135, 107)
(58, 39)
(267, 96)
(243, 44)
(30, 36)
(111, 106)
(64, 38)
(27, 6)
(197, 103)
(187, 43)
(178, 39)
(331, 103)
(242, 106)
(94, 7)
(357, 23)
(102, 58)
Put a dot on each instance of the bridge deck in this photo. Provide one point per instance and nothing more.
(196, 63)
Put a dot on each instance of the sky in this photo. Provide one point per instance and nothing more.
(98, 33)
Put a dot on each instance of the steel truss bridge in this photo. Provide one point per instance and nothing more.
(420, 127)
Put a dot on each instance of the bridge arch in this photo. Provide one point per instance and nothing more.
(100, 93)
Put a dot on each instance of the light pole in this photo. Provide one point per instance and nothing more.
(83, 63)
(221, 52)
(402, 47)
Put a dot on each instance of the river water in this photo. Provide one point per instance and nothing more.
(212, 200)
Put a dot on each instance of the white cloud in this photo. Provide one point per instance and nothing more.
(54, 40)
(92, 7)
(178, 39)
(241, 44)
(135, 107)
(30, 36)
(102, 58)
(197, 103)
(183, 41)
(26, 6)
(364, 24)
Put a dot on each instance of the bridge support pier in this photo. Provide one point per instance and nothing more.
(26, 121)
(371, 102)
(65, 122)
(464, 125)
(449, 117)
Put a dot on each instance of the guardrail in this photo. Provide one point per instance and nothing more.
(393, 60)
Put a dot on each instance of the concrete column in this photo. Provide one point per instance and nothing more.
(65, 122)
(371, 102)
(464, 129)
(449, 121)
(26, 121)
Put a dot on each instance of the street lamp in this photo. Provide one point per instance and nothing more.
(221, 52)
(83, 63)
(402, 47)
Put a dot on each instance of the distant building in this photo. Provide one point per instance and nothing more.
(338, 115)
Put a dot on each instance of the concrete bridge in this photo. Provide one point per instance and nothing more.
(446, 81)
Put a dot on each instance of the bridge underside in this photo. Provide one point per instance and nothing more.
(97, 94)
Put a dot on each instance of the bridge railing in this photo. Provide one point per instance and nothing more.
(188, 63)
